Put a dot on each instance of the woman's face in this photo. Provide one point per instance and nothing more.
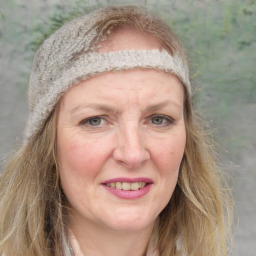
(120, 141)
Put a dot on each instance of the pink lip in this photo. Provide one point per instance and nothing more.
(129, 180)
(129, 194)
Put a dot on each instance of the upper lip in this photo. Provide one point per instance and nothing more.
(128, 180)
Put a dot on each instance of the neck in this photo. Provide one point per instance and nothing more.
(90, 239)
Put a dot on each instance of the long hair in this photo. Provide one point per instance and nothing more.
(33, 207)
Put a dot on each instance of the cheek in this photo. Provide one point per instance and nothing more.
(79, 158)
(169, 154)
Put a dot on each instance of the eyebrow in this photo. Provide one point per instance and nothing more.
(161, 105)
(102, 107)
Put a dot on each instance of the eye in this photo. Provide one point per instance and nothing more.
(161, 120)
(93, 121)
(96, 121)
(158, 120)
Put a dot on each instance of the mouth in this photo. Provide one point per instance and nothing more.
(126, 185)
(127, 188)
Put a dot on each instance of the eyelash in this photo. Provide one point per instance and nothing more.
(86, 122)
(166, 119)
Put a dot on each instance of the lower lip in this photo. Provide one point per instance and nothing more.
(129, 194)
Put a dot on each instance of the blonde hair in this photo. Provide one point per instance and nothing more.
(33, 216)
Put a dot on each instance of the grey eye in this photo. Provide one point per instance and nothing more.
(158, 120)
(95, 121)
(161, 120)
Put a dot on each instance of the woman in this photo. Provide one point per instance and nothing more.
(113, 160)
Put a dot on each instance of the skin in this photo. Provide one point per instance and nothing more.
(138, 130)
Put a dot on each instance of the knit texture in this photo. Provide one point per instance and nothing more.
(70, 56)
(89, 65)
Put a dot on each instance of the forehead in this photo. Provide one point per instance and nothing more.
(129, 39)
(126, 88)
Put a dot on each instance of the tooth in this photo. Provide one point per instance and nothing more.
(143, 184)
(126, 186)
(118, 185)
(135, 186)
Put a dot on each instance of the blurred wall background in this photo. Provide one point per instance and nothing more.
(220, 37)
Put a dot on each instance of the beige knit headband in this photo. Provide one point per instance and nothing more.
(55, 69)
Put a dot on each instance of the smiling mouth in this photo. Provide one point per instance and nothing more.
(127, 185)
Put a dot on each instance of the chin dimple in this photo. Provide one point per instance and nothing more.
(126, 185)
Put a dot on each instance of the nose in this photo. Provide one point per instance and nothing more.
(130, 151)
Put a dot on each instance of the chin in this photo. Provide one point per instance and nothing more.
(130, 222)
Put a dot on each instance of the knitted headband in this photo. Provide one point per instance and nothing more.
(66, 58)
